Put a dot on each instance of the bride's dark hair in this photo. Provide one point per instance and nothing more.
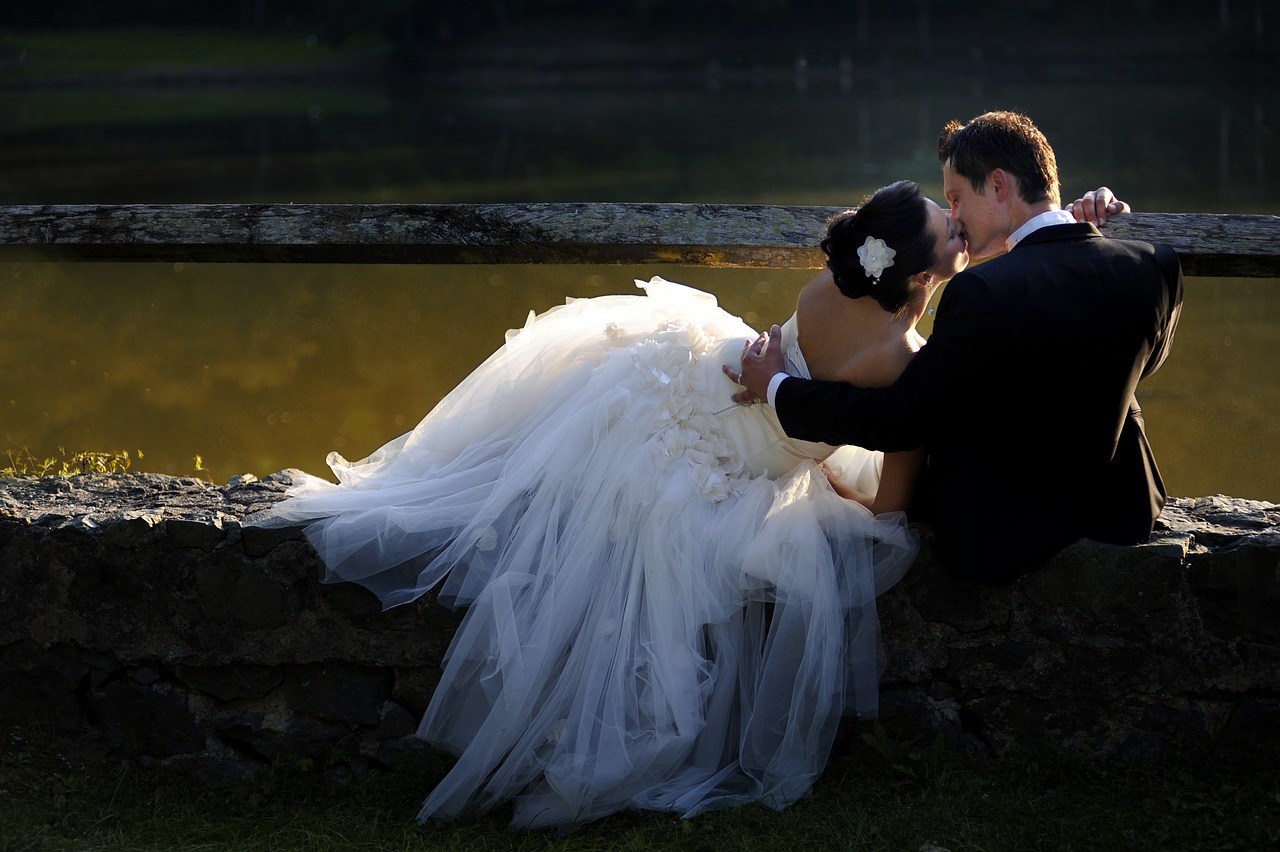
(896, 214)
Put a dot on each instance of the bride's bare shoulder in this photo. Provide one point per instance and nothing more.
(851, 340)
(821, 307)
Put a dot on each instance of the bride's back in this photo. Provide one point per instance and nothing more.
(852, 340)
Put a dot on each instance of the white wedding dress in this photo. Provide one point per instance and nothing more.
(668, 605)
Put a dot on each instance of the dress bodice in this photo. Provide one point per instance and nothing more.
(792, 355)
(765, 448)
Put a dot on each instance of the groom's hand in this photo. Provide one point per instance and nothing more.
(1096, 204)
(761, 361)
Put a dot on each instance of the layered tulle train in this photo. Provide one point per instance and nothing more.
(668, 607)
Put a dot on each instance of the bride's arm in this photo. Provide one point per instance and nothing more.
(897, 483)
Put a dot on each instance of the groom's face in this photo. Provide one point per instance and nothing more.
(977, 213)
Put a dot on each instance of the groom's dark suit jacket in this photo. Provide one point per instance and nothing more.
(1024, 401)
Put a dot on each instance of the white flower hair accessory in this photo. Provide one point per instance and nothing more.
(875, 257)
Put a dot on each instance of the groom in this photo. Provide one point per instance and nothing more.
(1023, 397)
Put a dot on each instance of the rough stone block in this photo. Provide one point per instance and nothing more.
(143, 605)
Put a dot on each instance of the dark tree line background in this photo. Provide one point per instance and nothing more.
(1226, 27)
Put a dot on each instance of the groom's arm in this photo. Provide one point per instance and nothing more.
(1168, 308)
(840, 413)
(939, 379)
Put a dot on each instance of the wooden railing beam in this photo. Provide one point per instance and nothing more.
(718, 235)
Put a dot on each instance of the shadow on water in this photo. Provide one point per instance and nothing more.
(1170, 147)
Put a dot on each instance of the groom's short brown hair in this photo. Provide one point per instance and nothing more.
(1002, 140)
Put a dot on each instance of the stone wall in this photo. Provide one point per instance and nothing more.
(140, 615)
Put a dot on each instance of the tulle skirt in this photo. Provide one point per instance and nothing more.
(668, 607)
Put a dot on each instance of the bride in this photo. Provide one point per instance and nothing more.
(670, 603)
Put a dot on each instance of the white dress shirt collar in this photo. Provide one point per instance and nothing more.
(1035, 223)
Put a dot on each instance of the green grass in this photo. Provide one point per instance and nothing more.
(872, 798)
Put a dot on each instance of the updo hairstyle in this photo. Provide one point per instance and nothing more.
(896, 214)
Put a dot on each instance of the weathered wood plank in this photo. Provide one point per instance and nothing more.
(700, 235)
(688, 234)
(1209, 244)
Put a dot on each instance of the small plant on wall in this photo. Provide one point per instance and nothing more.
(23, 462)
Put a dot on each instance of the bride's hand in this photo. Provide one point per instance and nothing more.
(838, 485)
(1095, 205)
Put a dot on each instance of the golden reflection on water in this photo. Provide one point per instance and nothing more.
(256, 368)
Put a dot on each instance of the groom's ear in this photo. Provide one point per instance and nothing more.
(1000, 184)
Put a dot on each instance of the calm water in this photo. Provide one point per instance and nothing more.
(257, 368)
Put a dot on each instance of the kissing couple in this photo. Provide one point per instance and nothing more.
(671, 589)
